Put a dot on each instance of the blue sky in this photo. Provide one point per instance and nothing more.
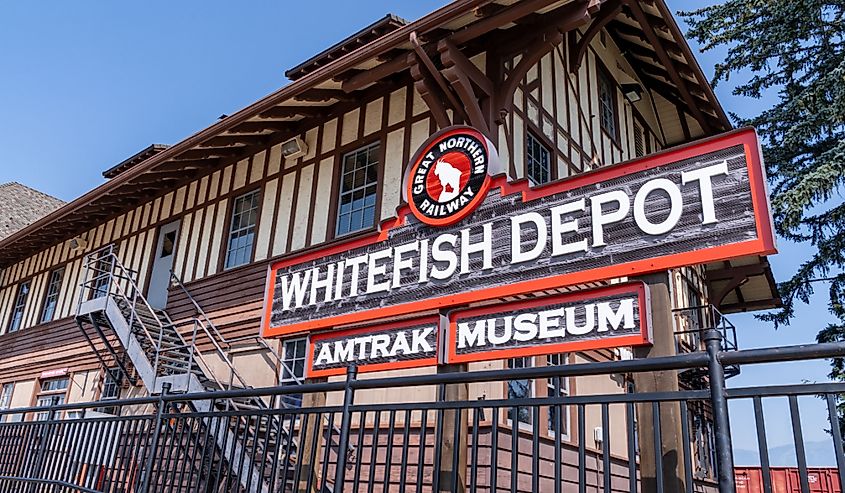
(86, 84)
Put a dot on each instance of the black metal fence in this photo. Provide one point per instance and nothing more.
(416, 434)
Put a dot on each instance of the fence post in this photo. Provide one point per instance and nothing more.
(42, 448)
(345, 423)
(148, 467)
(719, 401)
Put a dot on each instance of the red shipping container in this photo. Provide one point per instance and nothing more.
(786, 480)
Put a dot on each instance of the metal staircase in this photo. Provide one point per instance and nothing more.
(690, 324)
(113, 311)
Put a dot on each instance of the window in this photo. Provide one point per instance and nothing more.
(51, 297)
(6, 399)
(102, 273)
(704, 445)
(242, 229)
(293, 367)
(537, 161)
(356, 208)
(20, 304)
(639, 140)
(52, 394)
(520, 389)
(167, 244)
(557, 387)
(607, 104)
(113, 380)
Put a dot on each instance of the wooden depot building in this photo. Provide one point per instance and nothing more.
(499, 184)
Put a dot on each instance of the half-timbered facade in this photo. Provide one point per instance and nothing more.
(559, 87)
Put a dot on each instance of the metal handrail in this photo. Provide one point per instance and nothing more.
(703, 318)
(229, 343)
(92, 261)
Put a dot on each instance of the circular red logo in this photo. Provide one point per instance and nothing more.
(449, 176)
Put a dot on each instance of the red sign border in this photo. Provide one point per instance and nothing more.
(641, 339)
(434, 320)
(764, 244)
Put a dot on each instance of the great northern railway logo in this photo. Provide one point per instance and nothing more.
(449, 176)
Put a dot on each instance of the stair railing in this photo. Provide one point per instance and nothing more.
(111, 277)
(218, 340)
(203, 318)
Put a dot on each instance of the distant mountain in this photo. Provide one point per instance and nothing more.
(819, 454)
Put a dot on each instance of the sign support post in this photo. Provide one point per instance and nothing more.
(672, 444)
(453, 454)
(311, 443)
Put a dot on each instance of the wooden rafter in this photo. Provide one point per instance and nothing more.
(428, 92)
(668, 64)
(185, 165)
(629, 31)
(252, 127)
(231, 140)
(483, 26)
(207, 152)
(293, 111)
(434, 75)
(577, 51)
(321, 95)
(561, 21)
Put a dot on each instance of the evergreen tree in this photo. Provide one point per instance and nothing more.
(794, 47)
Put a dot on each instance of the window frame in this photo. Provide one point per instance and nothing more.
(61, 394)
(337, 182)
(538, 384)
(531, 134)
(532, 389)
(565, 391)
(112, 376)
(602, 73)
(283, 365)
(6, 399)
(28, 283)
(230, 217)
(58, 295)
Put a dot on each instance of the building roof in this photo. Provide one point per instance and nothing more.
(21, 205)
(377, 29)
(135, 159)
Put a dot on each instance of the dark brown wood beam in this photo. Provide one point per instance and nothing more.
(186, 165)
(207, 152)
(231, 140)
(483, 26)
(427, 90)
(557, 22)
(320, 95)
(294, 111)
(577, 51)
(506, 16)
(260, 126)
(667, 62)
(452, 56)
(375, 74)
(627, 30)
(421, 57)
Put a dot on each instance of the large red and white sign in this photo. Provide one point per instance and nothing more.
(702, 202)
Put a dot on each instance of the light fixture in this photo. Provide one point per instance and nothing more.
(294, 148)
(78, 243)
(633, 92)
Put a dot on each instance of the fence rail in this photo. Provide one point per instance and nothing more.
(548, 441)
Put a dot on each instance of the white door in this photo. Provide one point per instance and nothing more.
(162, 263)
